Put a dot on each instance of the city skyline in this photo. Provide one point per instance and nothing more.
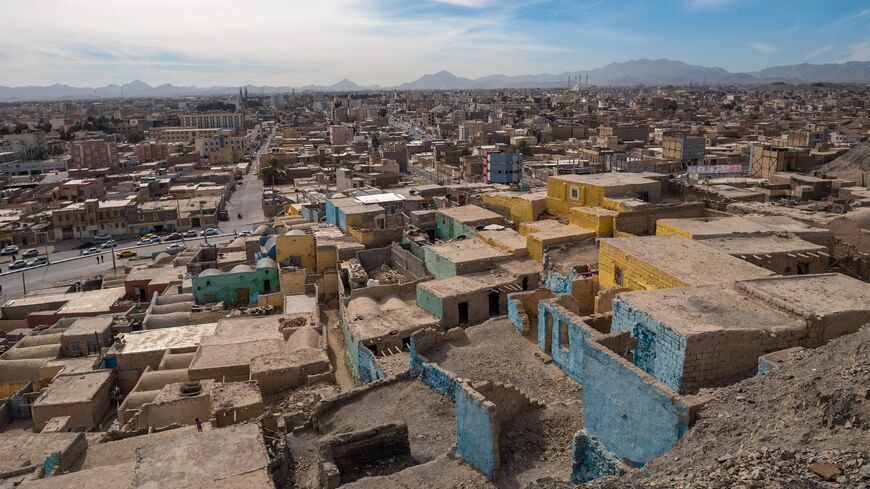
(387, 42)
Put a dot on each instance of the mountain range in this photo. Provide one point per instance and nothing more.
(629, 73)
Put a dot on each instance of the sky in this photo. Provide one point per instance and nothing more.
(387, 42)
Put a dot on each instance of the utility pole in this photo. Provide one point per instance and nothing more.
(23, 282)
(114, 264)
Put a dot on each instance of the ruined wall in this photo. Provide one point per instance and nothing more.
(556, 324)
(408, 265)
(431, 374)
(592, 460)
(522, 308)
(477, 431)
(369, 370)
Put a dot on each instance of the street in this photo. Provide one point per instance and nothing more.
(67, 265)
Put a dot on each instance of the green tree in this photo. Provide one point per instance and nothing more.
(270, 170)
(376, 141)
(382, 112)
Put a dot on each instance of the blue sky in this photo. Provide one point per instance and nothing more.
(296, 42)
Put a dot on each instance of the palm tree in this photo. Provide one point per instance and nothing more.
(271, 170)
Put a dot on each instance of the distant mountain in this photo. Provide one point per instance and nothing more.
(629, 73)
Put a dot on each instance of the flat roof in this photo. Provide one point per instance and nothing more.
(811, 295)
(611, 179)
(698, 310)
(161, 339)
(74, 388)
(88, 325)
(470, 214)
(466, 250)
(370, 318)
(463, 284)
(380, 198)
(748, 245)
(687, 260)
(703, 227)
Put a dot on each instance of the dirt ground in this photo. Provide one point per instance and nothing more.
(496, 352)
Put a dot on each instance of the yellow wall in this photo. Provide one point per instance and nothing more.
(291, 210)
(292, 281)
(596, 219)
(274, 300)
(327, 285)
(301, 246)
(520, 208)
(636, 274)
(327, 258)
(667, 229)
(559, 201)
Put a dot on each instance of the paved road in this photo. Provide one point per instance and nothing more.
(68, 266)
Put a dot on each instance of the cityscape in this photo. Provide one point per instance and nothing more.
(540, 245)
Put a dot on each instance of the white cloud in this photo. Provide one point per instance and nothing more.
(464, 3)
(763, 47)
(859, 52)
(815, 53)
(289, 42)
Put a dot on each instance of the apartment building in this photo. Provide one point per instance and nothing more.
(209, 120)
(97, 153)
(183, 134)
(503, 167)
(146, 152)
(209, 145)
(687, 150)
(340, 134)
(81, 220)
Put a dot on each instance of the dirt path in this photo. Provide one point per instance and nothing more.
(335, 341)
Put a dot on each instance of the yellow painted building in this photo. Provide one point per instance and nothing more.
(606, 190)
(597, 219)
(658, 262)
(519, 207)
(296, 248)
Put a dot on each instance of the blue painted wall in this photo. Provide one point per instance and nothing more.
(558, 283)
(331, 217)
(368, 368)
(476, 438)
(433, 376)
(632, 416)
(660, 351)
(592, 460)
(514, 315)
(567, 357)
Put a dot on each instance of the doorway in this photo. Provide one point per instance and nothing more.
(494, 304)
(463, 313)
(242, 297)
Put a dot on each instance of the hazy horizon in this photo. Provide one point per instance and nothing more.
(388, 42)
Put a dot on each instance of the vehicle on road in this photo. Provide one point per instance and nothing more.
(86, 245)
(9, 250)
(126, 254)
(37, 261)
(109, 244)
(245, 233)
(30, 253)
(90, 251)
(172, 237)
(209, 232)
(102, 237)
(175, 248)
(146, 236)
(190, 233)
(17, 264)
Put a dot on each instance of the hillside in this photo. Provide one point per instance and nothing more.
(851, 165)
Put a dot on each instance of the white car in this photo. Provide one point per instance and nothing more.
(9, 250)
(175, 248)
(90, 251)
(109, 244)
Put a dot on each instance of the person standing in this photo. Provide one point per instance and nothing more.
(198, 424)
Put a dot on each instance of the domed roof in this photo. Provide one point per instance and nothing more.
(241, 269)
(338, 195)
(263, 230)
(267, 263)
(295, 232)
(210, 272)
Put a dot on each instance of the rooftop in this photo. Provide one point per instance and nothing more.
(686, 260)
(470, 214)
(161, 339)
(74, 388)
(466, 250)
(814, 295)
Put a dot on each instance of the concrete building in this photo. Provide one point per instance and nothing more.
(687, 150)
(147, 152)
(452, 222)
(210, 120)
(502, 167)
(239, 287)
(94, 154)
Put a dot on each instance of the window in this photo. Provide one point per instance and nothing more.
(575, 193)
(617, 276)
(564, 339)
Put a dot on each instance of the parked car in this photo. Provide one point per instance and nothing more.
(9, 250)
(209, 232)
(37, 261)
(175, 248)
(17, 264)
(109, 244)
(190, 233)
(90, 251)
(102, 237)
(245, 233)
(126, 254)
(30, 253)
(172, 237)
(86, 245)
